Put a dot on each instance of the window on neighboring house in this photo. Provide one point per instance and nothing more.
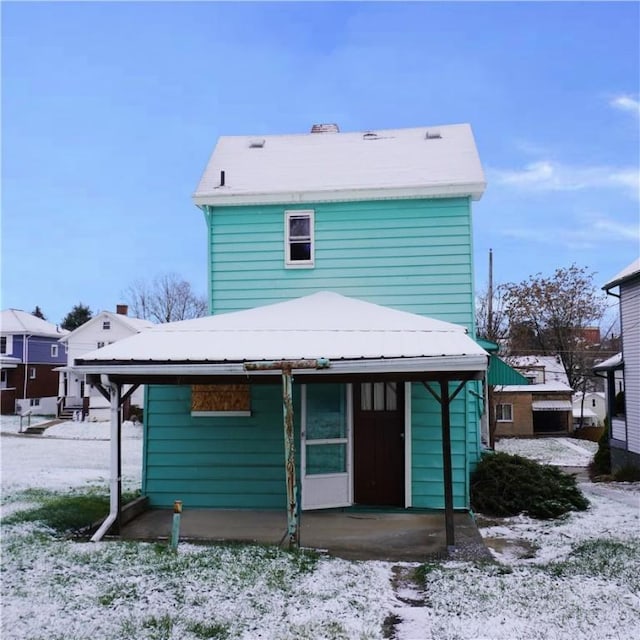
(299, 243)
(3, 344)
(3, 377)
(100, 344)
(220, 399)
(54, 350)
(106, 324)
(504, 412)
(593, 402)
(32, 373)
(34, 402)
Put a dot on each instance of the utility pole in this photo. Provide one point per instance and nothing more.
(490, 299)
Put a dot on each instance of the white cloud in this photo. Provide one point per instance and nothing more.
(588, 233)
(626, 103)
(546, 175)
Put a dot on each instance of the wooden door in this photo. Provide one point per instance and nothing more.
(378, 443)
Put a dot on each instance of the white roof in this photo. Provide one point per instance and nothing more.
(628, 272)
(321, 325)
(15, 321)
(322, 167)
(614, 362)
(135, 324)
(534, 388)
(552, 366)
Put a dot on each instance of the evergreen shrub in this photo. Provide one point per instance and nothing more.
(507, 485)
(601, 463)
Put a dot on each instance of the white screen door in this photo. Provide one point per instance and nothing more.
(326, 454)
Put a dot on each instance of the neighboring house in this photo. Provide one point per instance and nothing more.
(29, 353)
(623, 400)
(592, 411)
(542, 407)
(103, 329)
(350, 253)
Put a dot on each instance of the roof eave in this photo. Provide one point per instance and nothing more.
(457, 363)
(473, 190)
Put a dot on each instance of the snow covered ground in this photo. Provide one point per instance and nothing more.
(578, 577)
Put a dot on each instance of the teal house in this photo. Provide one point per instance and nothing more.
(341, 288)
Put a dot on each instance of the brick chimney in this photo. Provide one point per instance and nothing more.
(122, 309)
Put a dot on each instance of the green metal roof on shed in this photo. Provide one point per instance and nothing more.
(499, 372)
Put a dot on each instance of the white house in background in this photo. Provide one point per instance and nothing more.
(624, 408)
(593, 411)
(103, 329)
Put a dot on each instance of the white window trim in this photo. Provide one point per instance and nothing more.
(54, 350)
(504, 404)
(9, 345)
(32, 373)
(299, 264)
(106, 325)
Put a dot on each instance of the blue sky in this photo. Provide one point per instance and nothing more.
(111, 110)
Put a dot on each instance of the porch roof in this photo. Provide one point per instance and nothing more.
(353, 334)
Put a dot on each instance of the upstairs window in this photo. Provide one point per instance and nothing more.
(299, 244)
(3, 344)
(54, 350)
(106, 325)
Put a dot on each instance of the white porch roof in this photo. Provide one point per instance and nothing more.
(321, 325)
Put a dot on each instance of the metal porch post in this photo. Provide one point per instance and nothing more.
(446, 464)
(286, 367)
(289, 452)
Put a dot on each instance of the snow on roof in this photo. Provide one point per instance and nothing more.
(393, 163)
(628, 272)
(614, 362)
(553, 387)
(16, 321)
(552, 366)
(135, 324)
(321, 325)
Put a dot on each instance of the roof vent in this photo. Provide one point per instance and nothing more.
(256, 143)
(432, 135)
(325, 128)
(370, 135)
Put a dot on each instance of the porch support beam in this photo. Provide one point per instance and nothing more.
(445, 399)
(286, 367)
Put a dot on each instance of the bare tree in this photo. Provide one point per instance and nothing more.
(167, 298)
(551, 316)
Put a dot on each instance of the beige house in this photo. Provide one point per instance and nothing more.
(542, 407)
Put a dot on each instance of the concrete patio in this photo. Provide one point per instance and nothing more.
(353, 535)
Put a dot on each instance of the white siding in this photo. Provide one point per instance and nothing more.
(630, 319)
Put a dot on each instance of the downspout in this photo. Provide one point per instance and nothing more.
(207, 211)
(25, 359)
(115, 498)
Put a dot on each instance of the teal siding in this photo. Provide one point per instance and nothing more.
(413, 255)
(210, 461)
(427, 479)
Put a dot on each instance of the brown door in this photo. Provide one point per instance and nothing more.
(378, 443)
